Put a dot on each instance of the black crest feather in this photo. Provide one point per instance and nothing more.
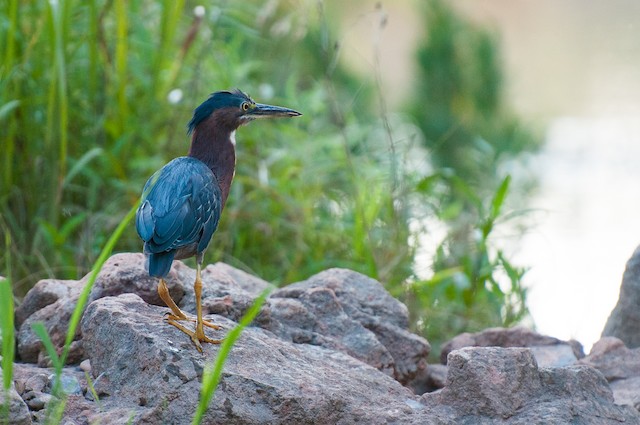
(217, 100)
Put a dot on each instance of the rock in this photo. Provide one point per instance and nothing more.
(85, 366)
(69, 383)
(37, 383)
(37, 400)
(248, 282)
(349, 312)
(44, 293)
(376, 334)
(55, 318)
(226, 291)
(557, 355)
(620, 366)
(18, 410)
(613, 359)
(505, 385)
(431, 378)
(549, 351)
(491, 382)
(126, 273)
(624, 321)
(322, 351)
(265, 380)
(52, 302)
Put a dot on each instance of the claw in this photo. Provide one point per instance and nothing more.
(197, 339)
(169, 315)
(176, 315)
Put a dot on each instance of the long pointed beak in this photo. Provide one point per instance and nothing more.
(270, 111)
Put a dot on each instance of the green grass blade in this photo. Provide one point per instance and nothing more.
(8, 337)
(55, 410)
(92, 390)
(121, 55)
(86, 291)
(58, 15)
(211, 376)
(7, 109)
(81, 164)
(499, 197)
(8, 340)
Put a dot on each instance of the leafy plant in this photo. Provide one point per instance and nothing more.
(469, 134)
(308, 194)
(471, 288)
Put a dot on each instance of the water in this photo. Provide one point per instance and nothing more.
(589, 197)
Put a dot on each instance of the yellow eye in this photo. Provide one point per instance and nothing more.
(245, 106)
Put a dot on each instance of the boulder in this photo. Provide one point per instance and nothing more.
(55, 318)
(333, 349)
(548, 351)
(624, 321)
(346, 311)
(226, 291)
(44, 293)
(621, 368)
(152, 371)
(126, 273)
(488, 385)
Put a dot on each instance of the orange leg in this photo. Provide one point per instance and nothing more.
(177, 315)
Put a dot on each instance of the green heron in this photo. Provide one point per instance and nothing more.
(182, 202)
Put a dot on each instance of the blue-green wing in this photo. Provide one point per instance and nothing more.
(180, 208)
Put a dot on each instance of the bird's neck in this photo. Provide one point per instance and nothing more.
(217, 150)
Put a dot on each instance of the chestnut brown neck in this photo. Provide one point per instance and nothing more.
(212, 144)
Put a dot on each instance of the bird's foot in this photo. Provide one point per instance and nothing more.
(183, 316)
(196, 336)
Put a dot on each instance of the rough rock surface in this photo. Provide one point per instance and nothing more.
(44, 293)
(226, 291)
(266, 380)
(624, 321)
(55, 318)
(504, 385)
(429, 379)
(323, 351)
(620, 366)
(346, 311)
(18, 410)
(548, 351)
(125, 273)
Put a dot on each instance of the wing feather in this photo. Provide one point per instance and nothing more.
(181, 207)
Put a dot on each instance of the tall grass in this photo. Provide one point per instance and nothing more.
(98, 122)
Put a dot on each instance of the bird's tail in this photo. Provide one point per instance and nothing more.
(159, 263)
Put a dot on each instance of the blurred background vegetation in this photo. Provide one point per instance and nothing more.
(95, 96)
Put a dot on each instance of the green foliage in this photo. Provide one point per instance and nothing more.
(459, 100)
(84, 100)
(469, 134)
(475, 285)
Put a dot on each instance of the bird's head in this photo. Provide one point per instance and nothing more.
(231, 109)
